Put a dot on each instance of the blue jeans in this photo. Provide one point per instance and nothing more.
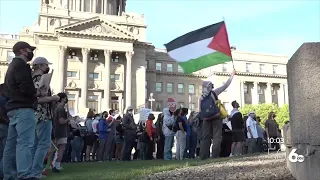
(17, 157)
(42, 142)
(3, 138)
(168, 144)
(76, 149)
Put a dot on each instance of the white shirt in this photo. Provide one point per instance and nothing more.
(94, 125)
(253, 126)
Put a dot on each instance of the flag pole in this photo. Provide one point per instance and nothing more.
(224, 20)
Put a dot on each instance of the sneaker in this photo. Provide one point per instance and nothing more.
(230, 155)
(55, 170)
(60, 168)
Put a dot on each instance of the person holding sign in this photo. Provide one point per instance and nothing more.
(44, 116)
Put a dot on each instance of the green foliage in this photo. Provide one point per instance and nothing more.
(262, 110)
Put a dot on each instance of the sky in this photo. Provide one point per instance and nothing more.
(266, 26)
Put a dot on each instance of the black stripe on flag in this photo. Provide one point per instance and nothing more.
(194, 36)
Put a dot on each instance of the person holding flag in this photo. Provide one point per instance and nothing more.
(194, 51)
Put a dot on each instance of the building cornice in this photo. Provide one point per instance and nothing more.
(176, 74)
(95, 36)
(4, 63)
(252, 74)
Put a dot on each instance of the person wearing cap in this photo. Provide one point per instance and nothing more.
(252, 133)
(212, 128)
(44, 116)
(22, 96)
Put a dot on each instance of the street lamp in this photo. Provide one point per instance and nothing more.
(151, 99)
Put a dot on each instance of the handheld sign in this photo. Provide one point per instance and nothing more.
(172, 104)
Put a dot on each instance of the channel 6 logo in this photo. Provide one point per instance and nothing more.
(294, 157)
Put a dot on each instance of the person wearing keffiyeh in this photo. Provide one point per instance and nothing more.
(212, 129)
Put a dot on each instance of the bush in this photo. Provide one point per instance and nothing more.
(262, 110)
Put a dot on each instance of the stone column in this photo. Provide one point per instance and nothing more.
(120, 104)
(62, 68)
(242, 102)
(128, 78)
(107, 54)
(94, 7)
(84, 77)
(281, 95)
(254, 94)
(286, 94)
(105, 7)
(140, 83)
(268, 94)
(82, 6)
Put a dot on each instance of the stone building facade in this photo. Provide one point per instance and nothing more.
(102, 60)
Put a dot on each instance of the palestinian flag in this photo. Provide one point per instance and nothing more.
(201, 48)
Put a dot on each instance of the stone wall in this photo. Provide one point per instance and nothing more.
(304, 100)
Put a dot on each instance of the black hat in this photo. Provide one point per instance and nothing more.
(22, 45)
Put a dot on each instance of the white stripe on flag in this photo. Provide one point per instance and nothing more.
(192, 51)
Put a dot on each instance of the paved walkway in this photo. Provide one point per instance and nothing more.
(260, 167)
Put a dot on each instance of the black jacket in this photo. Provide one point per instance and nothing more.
(19, 88)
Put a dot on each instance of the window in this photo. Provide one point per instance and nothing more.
(87, 5)
(72, 53)
(273, 92)
(245, 88)
(261, 68)
(64, 3)
(158, 106)
(191, 89)
(180, 88)
(93, 102)
(191, 106)
(10, 56)
(158, 66)
(224, 68)
(115, 57)
(115, 77)
(248, 67)
(159, 87)
(260, 90)
(147, 64)
(94, 55)
(180, 70)
(169, 67)
(181, 104)
(169, 87)
(72, 73)
(71, 101)
(94, 75)
(275, 69)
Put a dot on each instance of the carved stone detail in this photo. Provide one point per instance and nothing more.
(72, 84)
(115, 86)
(98, 29)
(107, 53)
(93, 85)
(62, 48)
(129, 54)
(85, 51)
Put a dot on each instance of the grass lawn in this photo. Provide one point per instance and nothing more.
(121, 170)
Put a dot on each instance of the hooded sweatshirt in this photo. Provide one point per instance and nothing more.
(167, 121)
(128, 123)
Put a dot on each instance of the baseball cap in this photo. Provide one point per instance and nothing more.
(22, 45)
(41, 60)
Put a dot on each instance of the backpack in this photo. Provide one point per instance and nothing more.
(208, 107)
(175, 126)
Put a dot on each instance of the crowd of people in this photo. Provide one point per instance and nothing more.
(38, 132)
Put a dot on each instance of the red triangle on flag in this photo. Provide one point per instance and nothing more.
(220, 41)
